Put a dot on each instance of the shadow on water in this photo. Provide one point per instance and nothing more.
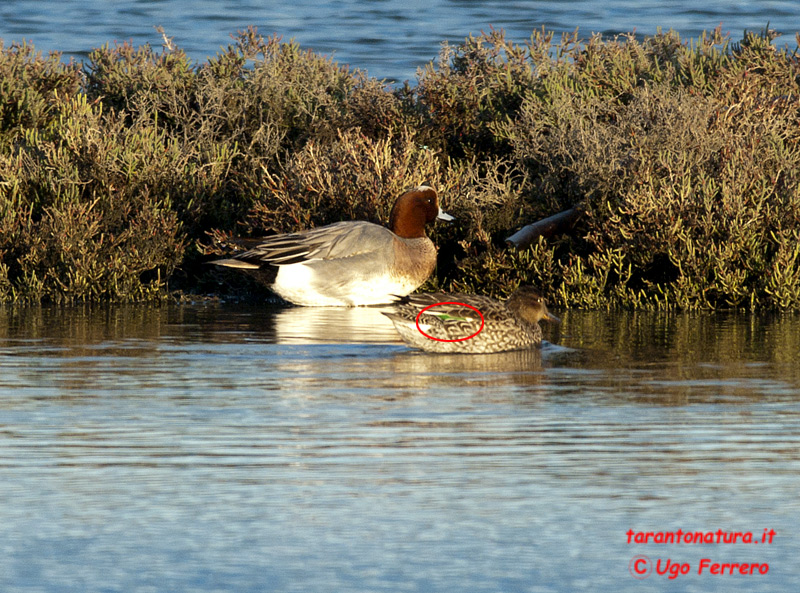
(661, 358)
(306, 349)
(679, 358)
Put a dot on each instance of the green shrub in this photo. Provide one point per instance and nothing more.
(32, 88)
(75, 223)
(473, 87)
(117, 175)
(687, 161)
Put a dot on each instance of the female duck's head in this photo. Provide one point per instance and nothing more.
(529, 304)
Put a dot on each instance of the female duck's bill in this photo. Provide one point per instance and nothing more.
(352, 263)
(507, 325)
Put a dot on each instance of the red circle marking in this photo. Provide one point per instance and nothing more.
(450, 303)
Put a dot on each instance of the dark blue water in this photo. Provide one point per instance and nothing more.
(387, 38)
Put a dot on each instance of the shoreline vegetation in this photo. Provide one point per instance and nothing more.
(658, 173)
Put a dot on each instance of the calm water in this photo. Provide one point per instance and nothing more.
(388, 38)
(224, 448)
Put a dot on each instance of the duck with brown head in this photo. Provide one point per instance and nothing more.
(351, 263)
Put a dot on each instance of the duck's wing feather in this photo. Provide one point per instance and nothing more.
(335, 241)
(421, 300)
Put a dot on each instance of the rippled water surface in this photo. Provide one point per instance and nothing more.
(388, 38)
(229, 448)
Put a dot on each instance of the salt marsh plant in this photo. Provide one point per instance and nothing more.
(117, 175)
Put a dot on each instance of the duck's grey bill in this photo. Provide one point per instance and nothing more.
(444, 216)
